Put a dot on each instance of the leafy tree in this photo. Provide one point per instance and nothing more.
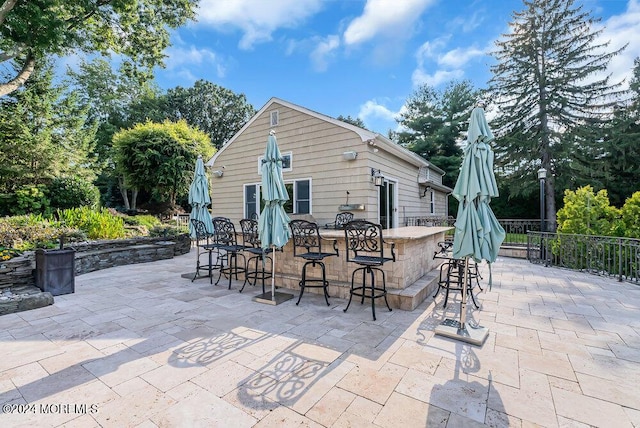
(631, 216)
(356, 121)
(159, 157)
(435, 122)
(31, 31)
(43, 134)
(115, 100)
(588, 213)
(217, 111)
(545, 90)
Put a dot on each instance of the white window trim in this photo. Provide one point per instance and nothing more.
(274, 114)
(432, 202)
(244, 197)
(286, 154)
(295, 191)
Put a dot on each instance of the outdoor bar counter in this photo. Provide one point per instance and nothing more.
(409, 279)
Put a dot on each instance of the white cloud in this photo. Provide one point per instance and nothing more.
(324, 51)
(186, 57)
(421, 77)
(392, 18)
(619, 30)
(459, 57)
(257, 19)
(378, 117)
(449, 64)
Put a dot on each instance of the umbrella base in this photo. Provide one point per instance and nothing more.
(473, 335)
(278, 298)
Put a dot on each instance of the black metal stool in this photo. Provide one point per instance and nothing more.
(251, 243)
(203, 245)
(365, 247)
(307, 244)
(224, 235)
(452, 276)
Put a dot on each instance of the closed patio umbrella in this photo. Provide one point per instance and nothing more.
(273, 229)
(478, 234)
(199, 198)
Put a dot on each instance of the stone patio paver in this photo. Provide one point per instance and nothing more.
(145, 347)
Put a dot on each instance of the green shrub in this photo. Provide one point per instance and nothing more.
(28, 232)
(97, 224)
(28, 199)
(631, 216)
(588, 213)
(8, 253)
(164, 231)
(72, 192)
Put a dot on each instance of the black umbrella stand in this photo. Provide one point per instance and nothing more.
(455, 329)
(273, 297)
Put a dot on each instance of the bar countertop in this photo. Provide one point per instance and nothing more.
(399, 233)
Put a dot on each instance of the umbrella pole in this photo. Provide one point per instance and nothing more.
(455, 329)
(463, 300)
(273, 274)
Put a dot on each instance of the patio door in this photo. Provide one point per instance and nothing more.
(387, 204)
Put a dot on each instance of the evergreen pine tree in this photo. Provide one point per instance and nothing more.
(548, 83)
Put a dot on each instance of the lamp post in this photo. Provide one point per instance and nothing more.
(542, 175)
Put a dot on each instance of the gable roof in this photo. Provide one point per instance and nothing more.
(366, 136)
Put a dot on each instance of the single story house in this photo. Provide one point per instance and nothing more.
(329, 166)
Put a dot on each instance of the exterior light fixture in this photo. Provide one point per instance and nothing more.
(542, 176)
(378, 178)
(218, 173)
(350, 156)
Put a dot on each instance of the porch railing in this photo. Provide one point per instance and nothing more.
(601, 255)
(516, 229)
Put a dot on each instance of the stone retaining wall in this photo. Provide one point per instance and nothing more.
(91, 256)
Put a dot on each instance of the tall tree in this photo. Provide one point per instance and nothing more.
(619, 154)
(435, 121)
(217, 111)
(115, 100)
(43, 134)
(547, 83)
(32, 31)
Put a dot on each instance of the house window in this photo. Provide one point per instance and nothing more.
(432, 202)
(274, 118)
(287, 162)
(299, 197)
(251, 200)
(299, 202)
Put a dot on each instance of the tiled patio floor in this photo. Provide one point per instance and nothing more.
(140, 346)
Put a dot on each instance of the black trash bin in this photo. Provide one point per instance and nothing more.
(55, 271)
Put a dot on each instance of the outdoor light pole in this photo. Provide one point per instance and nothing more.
(542, 175)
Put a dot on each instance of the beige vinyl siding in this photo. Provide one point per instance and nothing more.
(317, 146)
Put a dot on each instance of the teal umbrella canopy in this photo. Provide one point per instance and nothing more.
(199, 198)
(273, 227)
(477, 231)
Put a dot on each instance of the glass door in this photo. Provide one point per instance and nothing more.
(387, 204)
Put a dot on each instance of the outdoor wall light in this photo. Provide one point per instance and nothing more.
(378, 178)
(350, 156)
(218, 173)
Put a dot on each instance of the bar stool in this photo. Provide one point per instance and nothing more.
(204, 246)
(224, 235)
(251, 243)
(452, 276)
(365, 247)
(307, 244)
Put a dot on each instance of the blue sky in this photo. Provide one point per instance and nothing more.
(358, 57)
